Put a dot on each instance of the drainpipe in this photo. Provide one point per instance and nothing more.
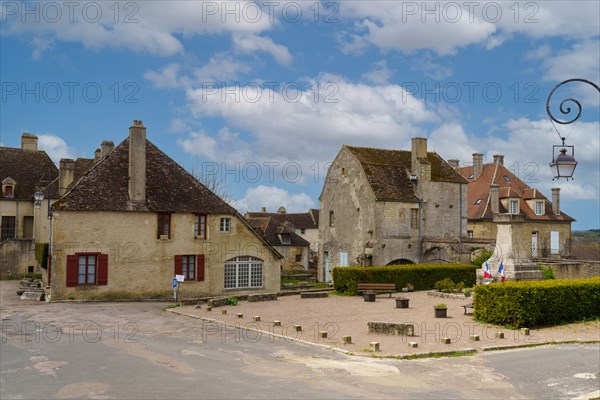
(460, 212)
(420, 231)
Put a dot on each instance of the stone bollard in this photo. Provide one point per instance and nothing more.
(223, 312)
(208, 308)
(525, 331)
(240, 315)
(446, 340)
(323, 334)
(474, 338)
(256, 318)
(198, 306)
(276, 323)
(374, 346)
(347, 339)
(413, 344)
(499, 335)
(298, 328)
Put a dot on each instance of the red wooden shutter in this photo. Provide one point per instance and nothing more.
(200, 269)
(102, 269)
(72, 270)
(178, 265)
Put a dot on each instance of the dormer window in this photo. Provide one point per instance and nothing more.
(539, 208)
(8, 188)
(513, 206)
(285, 238)
(506, 178)
(478, 202)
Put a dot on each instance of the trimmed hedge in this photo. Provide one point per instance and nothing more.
(420, 276)
(538, 303)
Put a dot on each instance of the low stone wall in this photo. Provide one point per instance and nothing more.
(262, 297)
(314, 295)
(460, 296)
(217, 302)
(16, 255)
(571, 269)
(389, 328)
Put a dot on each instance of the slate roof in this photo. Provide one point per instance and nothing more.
(169, 188)
(307, 220)
(29, 168)
(82, 165)
(388, 171)
(269, 226)
(478, 194)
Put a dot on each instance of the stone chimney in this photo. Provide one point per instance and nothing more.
(495, 198)
(477, 165)
(97, 155)
(453, 163)
(498, 159)
(556, 201)
(281, 210)
(66, 175)
(263, 209)
(419, 149)
(107, 146)
(29, 141)
(137, 162)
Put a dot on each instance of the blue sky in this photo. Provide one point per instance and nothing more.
(263, 94)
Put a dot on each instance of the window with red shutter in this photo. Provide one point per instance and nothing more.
(102, 275)
(200, 267)
(178, 265)
(72, 272)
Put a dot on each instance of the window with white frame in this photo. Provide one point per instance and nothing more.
(225, 225)
(470, 234)
(243, 272)
(539, 208)
(513, 206)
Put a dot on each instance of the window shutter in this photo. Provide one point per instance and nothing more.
(102, 269)
(178, 265)
(200, 269)
(72, 270)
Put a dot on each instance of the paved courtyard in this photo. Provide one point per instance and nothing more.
(348, 316)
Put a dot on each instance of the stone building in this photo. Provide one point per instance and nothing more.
(24, 172)
(136, 218)
(285, 237)
(540, 228)
(381, 207)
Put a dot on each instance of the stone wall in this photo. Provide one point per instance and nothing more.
(389, 328)
(16, 256)
(141, 265)
(567, 269)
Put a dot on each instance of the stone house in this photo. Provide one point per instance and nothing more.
(24, 221)
(382, 207)
(540, 228)
(136, 218)
(288, 234)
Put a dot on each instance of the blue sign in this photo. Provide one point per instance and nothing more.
(174, 283)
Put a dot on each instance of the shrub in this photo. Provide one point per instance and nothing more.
(232, 301)
(480, 259)
(41, 254)
(538, 303)
(441, 305)
(420, 276)
(548, 273)
(447, 285)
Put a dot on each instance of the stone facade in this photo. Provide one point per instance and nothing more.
(403, 207)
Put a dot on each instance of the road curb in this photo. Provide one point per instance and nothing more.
(550, 343)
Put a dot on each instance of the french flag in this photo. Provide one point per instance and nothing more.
(501, 271)
(487, 274)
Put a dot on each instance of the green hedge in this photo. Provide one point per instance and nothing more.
(41, 254)
(538, 303)
(420, 276)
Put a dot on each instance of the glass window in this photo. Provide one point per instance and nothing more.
(243, 272)
(225, 225)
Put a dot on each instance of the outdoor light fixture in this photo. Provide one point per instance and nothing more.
(38, 197)
(563, 162)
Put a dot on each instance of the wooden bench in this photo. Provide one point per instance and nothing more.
(377, 288)
(468, 305)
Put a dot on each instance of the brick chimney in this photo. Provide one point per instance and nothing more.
(281, 210)
(477, 165)
(495, 198)
(106, 147)
(137, 162)
(556, 201)
(29, 141)
(453, 163)
(498, 159)
(419, 149)
(263, 209)
(66, 175)
(97, 155)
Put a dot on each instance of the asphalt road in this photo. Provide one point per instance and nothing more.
(138, 351)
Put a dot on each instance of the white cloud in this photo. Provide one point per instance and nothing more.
(428, 67)
(166, 78)
(214, 148)
(581, 61)
(221, 67)
(273, 197)
(55, 146)
(40, 45)
(380, 74)
(250, 44)
(148, 26)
